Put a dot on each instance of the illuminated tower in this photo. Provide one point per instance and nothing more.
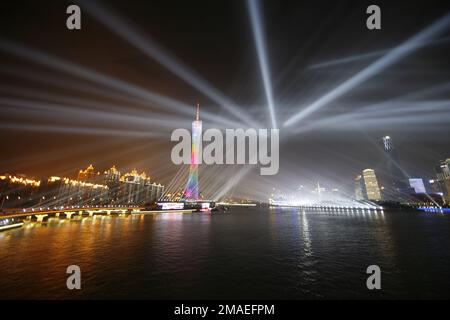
(192, 191)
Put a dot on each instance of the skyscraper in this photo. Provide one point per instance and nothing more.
(366, 186)
(137, 188)
(396, 176)
(89, 175)
(443, 177)
(192, 191)
(418, 185)
(111, 178)
(371, 185)
(435, 187)
(360, 191)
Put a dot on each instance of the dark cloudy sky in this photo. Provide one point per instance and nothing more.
(215, 39)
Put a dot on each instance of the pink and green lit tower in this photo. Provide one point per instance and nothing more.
(192, 190)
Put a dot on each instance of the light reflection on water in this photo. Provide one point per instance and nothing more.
(245, 253)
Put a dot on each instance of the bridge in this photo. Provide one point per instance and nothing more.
(40, 214)
(236, 204)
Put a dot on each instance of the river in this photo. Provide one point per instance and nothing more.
(245, 253)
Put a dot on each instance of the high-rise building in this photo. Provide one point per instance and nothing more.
(111, 175)
(366, 186)
(192, 190)
(18, 191)
(360, 191)
(137, 189)
(89, 175)
(60, 191)
(132, 187)
(418, 185)
(443, 177)
(434, 187)
(371, 185)
(111, 178)
(396, 176)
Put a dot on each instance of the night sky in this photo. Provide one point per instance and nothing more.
(214, 39)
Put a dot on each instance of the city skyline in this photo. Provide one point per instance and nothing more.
(346, 186)
(367, 186)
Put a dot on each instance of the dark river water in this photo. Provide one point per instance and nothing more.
(242, 254)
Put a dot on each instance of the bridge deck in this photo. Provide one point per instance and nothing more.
(54, 211)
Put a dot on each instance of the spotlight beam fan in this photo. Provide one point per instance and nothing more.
(79, 130)
(257, 28)
(373, 69)
(368, 55)
(73, 69)
(403, 104)
(156, 52)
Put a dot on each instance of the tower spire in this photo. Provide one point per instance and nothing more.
(197, 116)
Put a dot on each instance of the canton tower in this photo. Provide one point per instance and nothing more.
(192, 191)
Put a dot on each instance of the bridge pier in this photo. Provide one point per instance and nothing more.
(108, 212)
(69, 214)
(40, 217)
(91, 213)
(57, 214)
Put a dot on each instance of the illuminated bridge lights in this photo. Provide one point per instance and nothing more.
(257, 28)
(329, 207)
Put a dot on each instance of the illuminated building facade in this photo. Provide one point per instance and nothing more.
(18, 191)
(138, 189)
(418, 185)
(111, 178)
(443, 178)
(434, 187)
(192, 189)
(89, 175)
(371, 185)
(366, 186)
(58, 191)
